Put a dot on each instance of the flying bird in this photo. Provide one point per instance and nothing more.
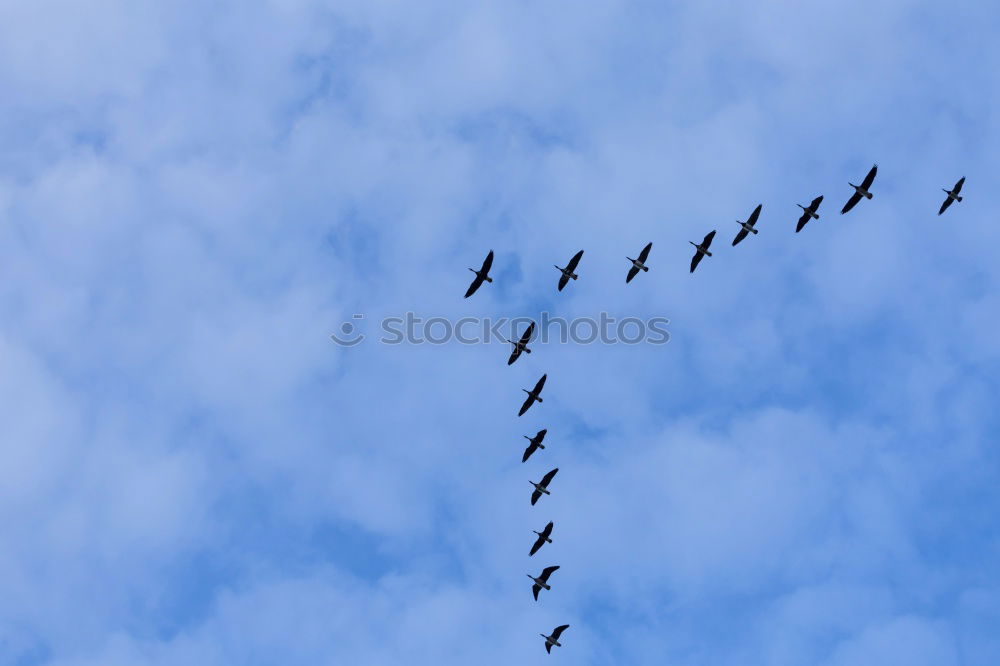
(701, 250)
(554, 638)
(534, 443)
(567, 273)
(542, 487)
(952, 195)
(860, 190)
(521, 345)
(542, 582)
(638, 264)
(748, 227)
(533, 395)
(543, 538)
(808, 212)
(481, 274)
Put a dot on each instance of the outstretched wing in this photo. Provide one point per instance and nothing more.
(740, 236)
(870, 178)
(527, 334)
(645, 253)
(558, 631)
(528, 451)
(855, 198)
(514, 355)
(548, 647)
(540, 384)
(944, 206)
(487, 263)
(563, 279)
(754, 215)
(534, 497)
(815, 203)
(571, 266)
(695, 260)
(538, 544)
(476, 282)
(632, 272)
(707, 241)
(802, 221)
(534, 590)
(547, 571)
(958, 185)
(548, 477)
(524, 406)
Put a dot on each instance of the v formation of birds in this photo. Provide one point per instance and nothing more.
(567, 273)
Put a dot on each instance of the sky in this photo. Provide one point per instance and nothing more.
(195, 195)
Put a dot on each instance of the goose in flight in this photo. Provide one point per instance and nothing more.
(534, 443)
(542, 582)
(521, 345)
(701, 250)
(481, 274)
(952, 195)
(533, 395)
(861, 190)
(638, 264)
(747, 227)
(554, 638)
(542, 487)
(544, 537)
(808, 212)
(567, 273)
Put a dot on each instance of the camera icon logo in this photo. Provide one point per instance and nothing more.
(349, 335)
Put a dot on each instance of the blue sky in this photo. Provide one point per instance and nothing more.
(194, 195)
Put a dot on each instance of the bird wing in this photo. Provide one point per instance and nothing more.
(740, 236)
(514, 355)
(524, 406)
(695, 260)
(632, 272)
(476, 281)
(557, 632)
(540, 384)
(707, 242)
(802, 222)
(870, 178)
(528, 451)
(645, 253)
(815, 203)
(944, 206)
(534, 590)
(538, 544)
(547, 530)
(855, 198)
(527, 334)
(571, 266)
(547, 571)
(958, 185)
(754, 215)
(548, 647)
(563, 279)
(534, 497)
(548, 477)
(487, 263)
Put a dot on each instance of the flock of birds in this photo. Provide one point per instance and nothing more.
(567, 273)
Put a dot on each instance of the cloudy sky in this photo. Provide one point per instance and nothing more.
(195, 195)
